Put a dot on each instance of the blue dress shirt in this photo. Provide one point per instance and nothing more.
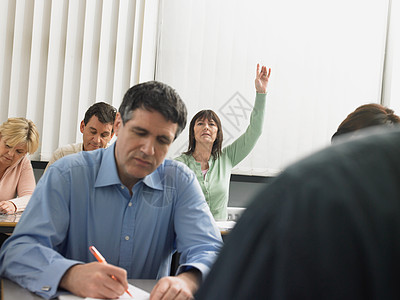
(80, 201)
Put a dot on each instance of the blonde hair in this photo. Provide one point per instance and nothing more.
(16, 131)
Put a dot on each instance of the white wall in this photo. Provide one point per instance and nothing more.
(327, 58)
(57, 57)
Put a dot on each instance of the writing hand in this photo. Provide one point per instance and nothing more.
(7, 207)
(94, 280)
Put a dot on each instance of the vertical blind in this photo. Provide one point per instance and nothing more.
(59, 57)
(391, 88)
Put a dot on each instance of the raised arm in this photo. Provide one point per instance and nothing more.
(242, 146)
(262, 78)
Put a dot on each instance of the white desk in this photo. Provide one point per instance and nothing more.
(8, 222)
(225, 226)
(12, 291)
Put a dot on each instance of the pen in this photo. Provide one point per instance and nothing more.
(102, 260)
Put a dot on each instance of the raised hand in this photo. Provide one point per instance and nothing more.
(262, 78)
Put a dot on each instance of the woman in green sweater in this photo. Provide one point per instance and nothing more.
(212, 164)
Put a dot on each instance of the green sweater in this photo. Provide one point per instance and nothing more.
(215, 185)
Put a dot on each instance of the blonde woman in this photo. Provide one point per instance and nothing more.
(18, 137)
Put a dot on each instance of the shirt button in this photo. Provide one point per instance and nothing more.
(126, 238)
(130, 204)
(46, 288)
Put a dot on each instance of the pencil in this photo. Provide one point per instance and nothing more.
(102, 260)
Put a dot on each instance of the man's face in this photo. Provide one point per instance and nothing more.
(142, 144)
(96, 134)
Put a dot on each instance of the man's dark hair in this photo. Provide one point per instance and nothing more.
(155, 96)
(103, 111)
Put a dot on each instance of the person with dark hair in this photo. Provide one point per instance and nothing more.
(127, 200)
(97, 130)
(367, 115)
(328, 227)
(212, 164)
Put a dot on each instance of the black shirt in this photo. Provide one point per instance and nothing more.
(328, 227)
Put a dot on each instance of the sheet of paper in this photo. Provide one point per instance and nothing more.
(225, 225)
(138, 294)
(65, 296)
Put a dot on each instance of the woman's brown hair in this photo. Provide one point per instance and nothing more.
(366, 116)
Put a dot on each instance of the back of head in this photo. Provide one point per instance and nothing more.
(103, 111)
(155, 96)
(328, 227)
(367, 115)
(17, 131)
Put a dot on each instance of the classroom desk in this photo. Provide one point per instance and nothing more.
(8, 222)
(225, 226)
(12, 291)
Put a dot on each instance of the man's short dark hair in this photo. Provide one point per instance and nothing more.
(155, 96)
(103, 111)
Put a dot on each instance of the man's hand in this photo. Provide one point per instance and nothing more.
(94, 280)
(178, 287)
(7, 207)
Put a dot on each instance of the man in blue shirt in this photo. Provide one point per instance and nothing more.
(129, 202)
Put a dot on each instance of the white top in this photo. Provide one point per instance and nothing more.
(64, 151)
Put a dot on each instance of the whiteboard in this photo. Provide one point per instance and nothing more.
(327, 58)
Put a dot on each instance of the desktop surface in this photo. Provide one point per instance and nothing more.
(12, 291)
(8, 222)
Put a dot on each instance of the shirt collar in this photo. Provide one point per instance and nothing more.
(108, 174)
